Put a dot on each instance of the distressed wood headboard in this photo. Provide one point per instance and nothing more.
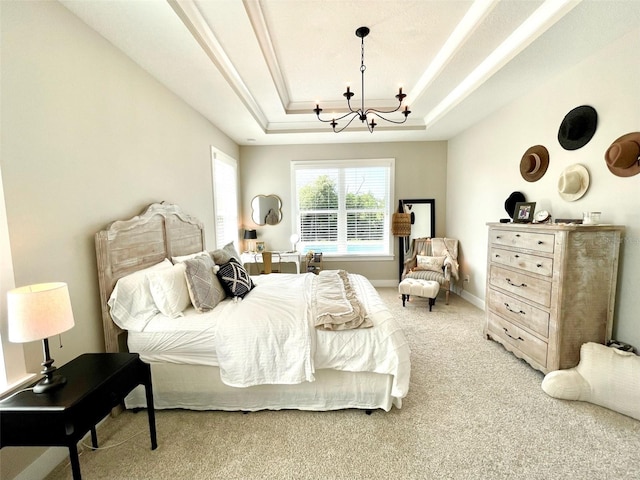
(162, 231)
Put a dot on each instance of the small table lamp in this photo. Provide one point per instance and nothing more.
(250, 236)
(37, 312)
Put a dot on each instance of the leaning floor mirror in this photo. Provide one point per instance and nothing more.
(423, 224)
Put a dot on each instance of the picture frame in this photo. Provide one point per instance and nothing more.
(260, 247)
(524, 212)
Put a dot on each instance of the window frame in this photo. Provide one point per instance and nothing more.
(219, 156)
(388, 240)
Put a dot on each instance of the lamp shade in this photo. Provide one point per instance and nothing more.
(250, 235)
(38, 311)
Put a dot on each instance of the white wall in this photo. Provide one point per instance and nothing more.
(420, 173)
(483, 167)
(87, 137)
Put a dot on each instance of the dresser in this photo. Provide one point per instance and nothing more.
(551, 288)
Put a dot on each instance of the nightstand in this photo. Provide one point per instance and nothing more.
(96, 383)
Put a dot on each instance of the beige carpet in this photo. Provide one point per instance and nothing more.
(473, 412)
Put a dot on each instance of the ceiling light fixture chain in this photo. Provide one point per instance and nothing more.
(362, 113)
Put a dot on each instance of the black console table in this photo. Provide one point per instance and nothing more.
(96, 383)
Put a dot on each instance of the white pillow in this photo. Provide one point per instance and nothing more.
(182, 258)
(433, 264)
(131, 304)
(169, 290)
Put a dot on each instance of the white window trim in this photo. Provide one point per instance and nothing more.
(13, 370)
(218, 155)
(391, 162)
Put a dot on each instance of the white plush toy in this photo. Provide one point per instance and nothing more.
(605, 376)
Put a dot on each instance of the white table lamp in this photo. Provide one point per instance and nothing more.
(37, 312)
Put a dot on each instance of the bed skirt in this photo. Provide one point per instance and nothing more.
(198, 387)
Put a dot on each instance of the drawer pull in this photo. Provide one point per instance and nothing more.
(508, 307)
(498, 236)
(518, 235)
(517, 256)
(497, 255)
(540, 242)
(510, 336)
(539, 265)
(513, 284)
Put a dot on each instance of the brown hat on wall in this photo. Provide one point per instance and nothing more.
(577, 127)
(623, 156)
(534, 163)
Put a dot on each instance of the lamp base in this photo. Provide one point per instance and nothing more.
(49, 384)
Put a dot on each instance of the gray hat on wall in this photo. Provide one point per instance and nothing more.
(578, 127)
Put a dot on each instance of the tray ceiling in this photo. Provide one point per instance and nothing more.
(256, 68)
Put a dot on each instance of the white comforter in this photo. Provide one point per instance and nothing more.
(285, 348)
(268, 337)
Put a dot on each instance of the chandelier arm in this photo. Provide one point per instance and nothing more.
(353, 112)
(377, 114)
(375, 110)
(348, 123)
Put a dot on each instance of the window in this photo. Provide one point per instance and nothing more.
(343, 208)
(225, 198)
(12, 365)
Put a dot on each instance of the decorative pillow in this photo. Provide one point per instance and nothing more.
(182, 258)
(433, 264)
(204, 288)
(131, 304)
(226, 253)
(235, 279)
(169, 290)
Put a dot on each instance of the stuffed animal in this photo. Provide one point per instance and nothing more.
(605, 376)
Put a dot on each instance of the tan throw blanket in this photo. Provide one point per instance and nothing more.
(336, 304)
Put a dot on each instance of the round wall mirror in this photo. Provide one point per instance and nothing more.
(266, 210)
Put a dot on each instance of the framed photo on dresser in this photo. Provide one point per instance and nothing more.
(524, 212)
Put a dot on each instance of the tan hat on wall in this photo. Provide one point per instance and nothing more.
(623, 156)
(534, 163)
(573, 182)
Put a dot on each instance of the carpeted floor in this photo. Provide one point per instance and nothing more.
(473, 411)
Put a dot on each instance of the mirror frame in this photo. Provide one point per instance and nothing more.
(255, 212)
(404, 246)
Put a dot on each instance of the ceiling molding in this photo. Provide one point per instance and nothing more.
(543, 18)
(259, 25)
(196, 24)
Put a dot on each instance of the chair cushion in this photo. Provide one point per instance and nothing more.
(427, 275)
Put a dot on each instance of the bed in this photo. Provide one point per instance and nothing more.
(272, 348)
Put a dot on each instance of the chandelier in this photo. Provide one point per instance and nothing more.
(362, 114)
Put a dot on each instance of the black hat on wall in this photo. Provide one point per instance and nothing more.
(578, 127)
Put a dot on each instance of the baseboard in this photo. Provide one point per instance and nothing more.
(52, 457)
(44, 464)
(472, 299)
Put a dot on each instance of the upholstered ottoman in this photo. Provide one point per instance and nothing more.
(420, 288)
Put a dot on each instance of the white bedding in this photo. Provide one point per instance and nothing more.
(210, 338)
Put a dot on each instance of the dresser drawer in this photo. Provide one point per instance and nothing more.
(540, 242)
(525, 261)
(521, 313)
(526, 286)
(531, 346)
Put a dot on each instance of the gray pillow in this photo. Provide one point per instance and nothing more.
(224, 254)
(204, 287)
